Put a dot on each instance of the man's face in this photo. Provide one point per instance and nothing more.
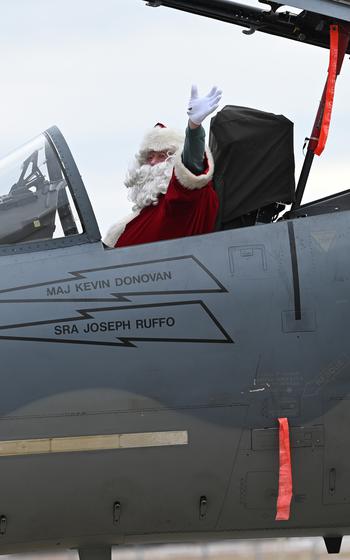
(149, 178)
(153, 158)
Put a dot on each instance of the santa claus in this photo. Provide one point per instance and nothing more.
(170, 182)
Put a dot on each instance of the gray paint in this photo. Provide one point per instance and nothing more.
(333, 8)
(234, 361)
(238, 355)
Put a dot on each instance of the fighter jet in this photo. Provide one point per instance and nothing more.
(190, 389)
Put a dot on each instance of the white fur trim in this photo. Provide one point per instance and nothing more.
(117, 229)
(188, 179)
(159, 139)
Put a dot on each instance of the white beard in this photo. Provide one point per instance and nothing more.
(147, 182)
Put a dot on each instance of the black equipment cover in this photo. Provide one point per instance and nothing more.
(254, 161)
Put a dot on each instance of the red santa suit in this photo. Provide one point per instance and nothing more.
(188, 207)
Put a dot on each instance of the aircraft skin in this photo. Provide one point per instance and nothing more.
(333, 8)
(203, 383)
(141, 387)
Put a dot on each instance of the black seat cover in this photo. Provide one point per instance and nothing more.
(254, 161)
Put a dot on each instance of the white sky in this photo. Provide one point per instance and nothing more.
(104, 71)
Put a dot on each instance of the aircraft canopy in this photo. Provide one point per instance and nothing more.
(339, 9)
(42, 196)
(311, 25)
(34, 194)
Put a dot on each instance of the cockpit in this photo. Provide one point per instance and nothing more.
(44, 204)
(38, 204)
(42, 197)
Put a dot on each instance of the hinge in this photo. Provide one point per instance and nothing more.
(3, 524)
(203, 507)
(331, 480)
(116, 512)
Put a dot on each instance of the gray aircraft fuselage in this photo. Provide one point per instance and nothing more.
(141, 387)
(198, 345)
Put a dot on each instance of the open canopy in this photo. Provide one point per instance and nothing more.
(310, 26)
(339, 9)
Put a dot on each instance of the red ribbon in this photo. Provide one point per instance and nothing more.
(285, 485)
(332, 77)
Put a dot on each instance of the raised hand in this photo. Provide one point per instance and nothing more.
(200, 107)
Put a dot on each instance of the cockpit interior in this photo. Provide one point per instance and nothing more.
(43, 198)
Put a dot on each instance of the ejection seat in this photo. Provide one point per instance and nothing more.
(29, 208)
(254, 165)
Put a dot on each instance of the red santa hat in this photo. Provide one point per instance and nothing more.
(160, 138)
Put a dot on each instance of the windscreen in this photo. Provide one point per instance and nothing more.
(35, 202)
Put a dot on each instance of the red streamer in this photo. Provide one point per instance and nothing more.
(332, 77)
(285, 485)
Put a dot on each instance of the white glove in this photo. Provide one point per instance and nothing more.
(200, 107)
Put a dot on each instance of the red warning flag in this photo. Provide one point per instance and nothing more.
(330, 89)
(285, 485)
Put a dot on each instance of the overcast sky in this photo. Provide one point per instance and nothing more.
(105, 71)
